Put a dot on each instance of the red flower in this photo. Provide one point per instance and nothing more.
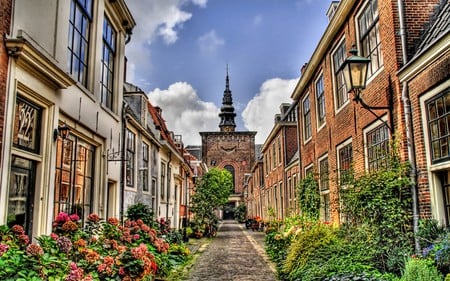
(17, 229)
(93, 218)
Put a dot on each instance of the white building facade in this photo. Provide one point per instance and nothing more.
(65, 75)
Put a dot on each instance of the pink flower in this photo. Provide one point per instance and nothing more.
(34, 250)
(74, 217)
(18, 229)
(75, 274)
(136, 236)
(54, 236)
(93, 218)
(3, 249)
(62, 217)
(113, 221)
(23, 239)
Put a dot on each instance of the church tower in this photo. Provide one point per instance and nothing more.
(230, 149)
(227, 114)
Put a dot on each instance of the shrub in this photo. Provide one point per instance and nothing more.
(421, 270)
(104, 250)
(143, 212)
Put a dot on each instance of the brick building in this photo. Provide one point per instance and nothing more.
(275, 194)
(425, 80)
(5, 24)
(342, 134)
(230, 149)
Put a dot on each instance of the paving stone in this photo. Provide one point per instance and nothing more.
(235, 254)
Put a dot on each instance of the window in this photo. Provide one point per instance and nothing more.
(438, 118)
(22, 179)
(163, 180)
(27, 125)
(169, 177)
(339, 57)
(279, 150)
(153, 192)
(323, 175)
(74, 170)
(274, 156)
(324, 188)
(230, 169)
(370, 37)
(109, 52)
(130, 157)
(309, 170)
(144, 168)
(320, 101)
(306, 119)
(78, 42)
(377, 141)
(345, 158)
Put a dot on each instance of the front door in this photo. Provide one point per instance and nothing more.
(21, 193)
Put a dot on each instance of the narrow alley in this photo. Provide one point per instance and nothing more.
(235, 254)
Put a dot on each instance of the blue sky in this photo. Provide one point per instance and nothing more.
(180, 49)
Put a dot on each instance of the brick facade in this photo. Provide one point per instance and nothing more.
(5, 23)
(350, 123)
(230, 149)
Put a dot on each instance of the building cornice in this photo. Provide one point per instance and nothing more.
(340, 18)
(43, 67)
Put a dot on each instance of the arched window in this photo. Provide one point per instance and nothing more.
(230, 169)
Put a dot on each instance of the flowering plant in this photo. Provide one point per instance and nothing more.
(102, 250)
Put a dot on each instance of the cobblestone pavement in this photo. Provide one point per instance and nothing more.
(235, 254)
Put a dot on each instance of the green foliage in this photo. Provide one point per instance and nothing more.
(381, 200)
(429, 232)
(421, 270)
(104, 250)
(309, 197)
(141, 211)
(211, 192)
(240, 212)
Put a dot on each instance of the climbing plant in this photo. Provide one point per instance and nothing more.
(309, 197)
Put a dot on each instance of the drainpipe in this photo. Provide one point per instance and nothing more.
(409, 133)
(122, 162)
(168, 187)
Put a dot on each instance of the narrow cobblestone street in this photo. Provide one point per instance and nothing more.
(235, 254)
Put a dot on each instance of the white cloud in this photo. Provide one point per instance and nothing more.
(185, 113)
(260, 111)
(201, 3)
(154, 18)
(209, 42)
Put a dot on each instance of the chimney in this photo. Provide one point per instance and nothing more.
(333, 7)
(302, 70)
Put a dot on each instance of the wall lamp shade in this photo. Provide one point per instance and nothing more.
(354, 70)
(62, 131)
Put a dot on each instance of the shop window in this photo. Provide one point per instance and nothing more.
(74, 176)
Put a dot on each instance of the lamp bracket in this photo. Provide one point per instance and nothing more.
(371, 109)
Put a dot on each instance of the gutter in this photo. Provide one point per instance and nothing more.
(409, 132)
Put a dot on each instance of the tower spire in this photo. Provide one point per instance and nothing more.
(227, 114)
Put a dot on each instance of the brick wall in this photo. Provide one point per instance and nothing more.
(5, 22)
(351, 120)
(425, 81)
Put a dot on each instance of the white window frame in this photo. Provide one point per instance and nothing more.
(305, 137)
(316, 98)
(338, 107)
(370, 76)
(368, 129)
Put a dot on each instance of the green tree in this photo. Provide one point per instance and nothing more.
(211, 192)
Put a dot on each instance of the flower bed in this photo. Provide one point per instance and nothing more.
(102, 250)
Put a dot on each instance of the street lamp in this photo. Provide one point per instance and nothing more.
(354, 70)
(62, 131)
